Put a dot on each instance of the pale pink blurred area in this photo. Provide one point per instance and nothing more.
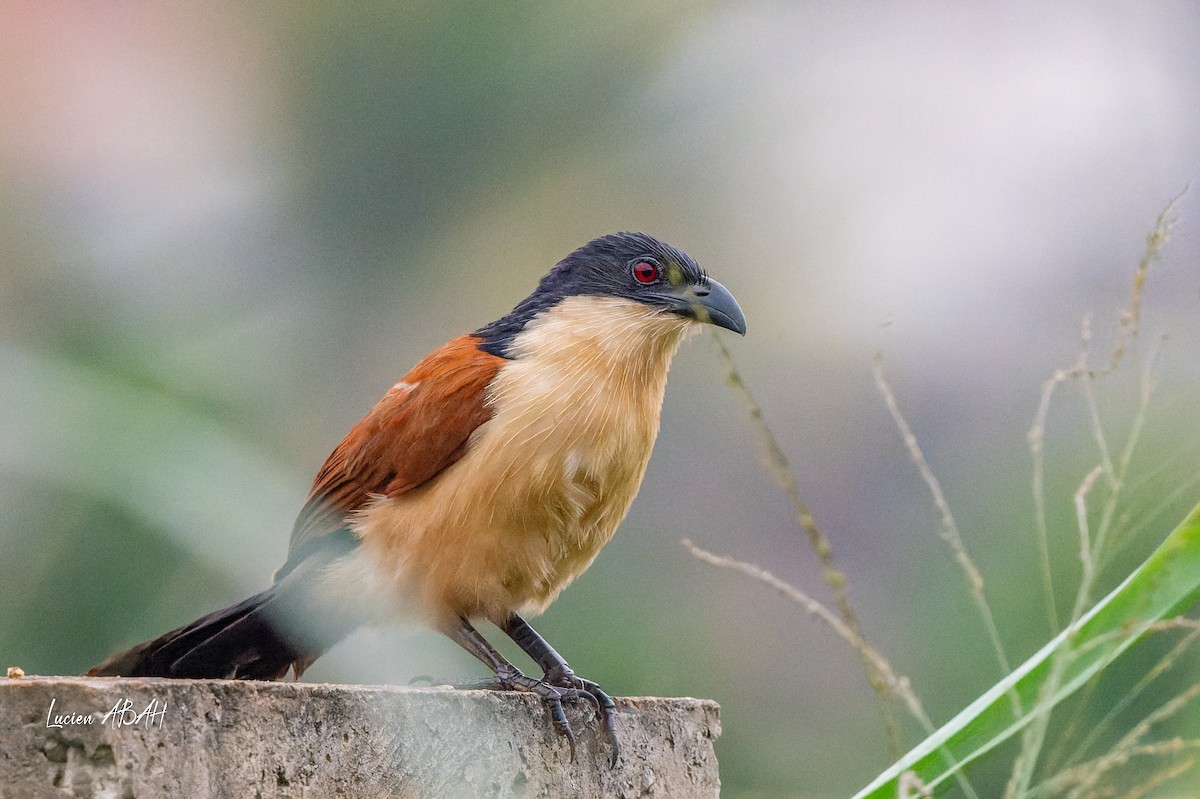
(139, 122)
(105, 93)
(226, 229)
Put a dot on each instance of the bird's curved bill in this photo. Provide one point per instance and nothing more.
(710, 303)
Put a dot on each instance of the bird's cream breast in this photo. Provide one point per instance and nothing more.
(547, 479)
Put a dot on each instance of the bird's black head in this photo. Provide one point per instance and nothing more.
(631, 266)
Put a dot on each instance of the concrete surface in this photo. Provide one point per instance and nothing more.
(134, 738)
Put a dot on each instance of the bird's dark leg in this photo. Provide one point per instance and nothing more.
(510, 678)
(559, 674)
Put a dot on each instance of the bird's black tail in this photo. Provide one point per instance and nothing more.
(258, 639)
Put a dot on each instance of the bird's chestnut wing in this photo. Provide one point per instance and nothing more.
(421, 426)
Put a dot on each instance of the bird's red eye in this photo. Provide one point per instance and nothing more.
(645, 272)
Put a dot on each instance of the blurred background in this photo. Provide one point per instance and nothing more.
(226, 229)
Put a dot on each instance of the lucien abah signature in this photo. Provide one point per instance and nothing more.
(122, 714)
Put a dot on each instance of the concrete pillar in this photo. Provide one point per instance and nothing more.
(185, 739)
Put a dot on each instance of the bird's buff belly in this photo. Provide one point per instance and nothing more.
(480, 549)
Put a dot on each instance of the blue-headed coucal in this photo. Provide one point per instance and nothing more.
(483, 482)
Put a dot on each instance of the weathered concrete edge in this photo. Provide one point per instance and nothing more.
(149, 737)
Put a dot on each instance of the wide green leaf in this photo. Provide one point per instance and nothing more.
(1167, 584)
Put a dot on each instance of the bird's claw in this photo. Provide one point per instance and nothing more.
(608, 710)
(603, 703)
(553, 690)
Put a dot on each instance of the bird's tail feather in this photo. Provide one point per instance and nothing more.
(258, 639)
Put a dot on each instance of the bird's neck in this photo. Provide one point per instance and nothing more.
(622, 343)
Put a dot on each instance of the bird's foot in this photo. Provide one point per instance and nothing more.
(565, 678)
(556, 686)
(511, 679)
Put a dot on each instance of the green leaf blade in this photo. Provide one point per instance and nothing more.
(1166, 584)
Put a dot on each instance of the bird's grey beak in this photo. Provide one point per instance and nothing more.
(712, 303)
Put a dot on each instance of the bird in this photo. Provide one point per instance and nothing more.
(483, 482)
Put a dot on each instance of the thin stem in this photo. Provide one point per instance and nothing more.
(781, 471)
(897, 684)
(949, 531)
(1091, 547)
